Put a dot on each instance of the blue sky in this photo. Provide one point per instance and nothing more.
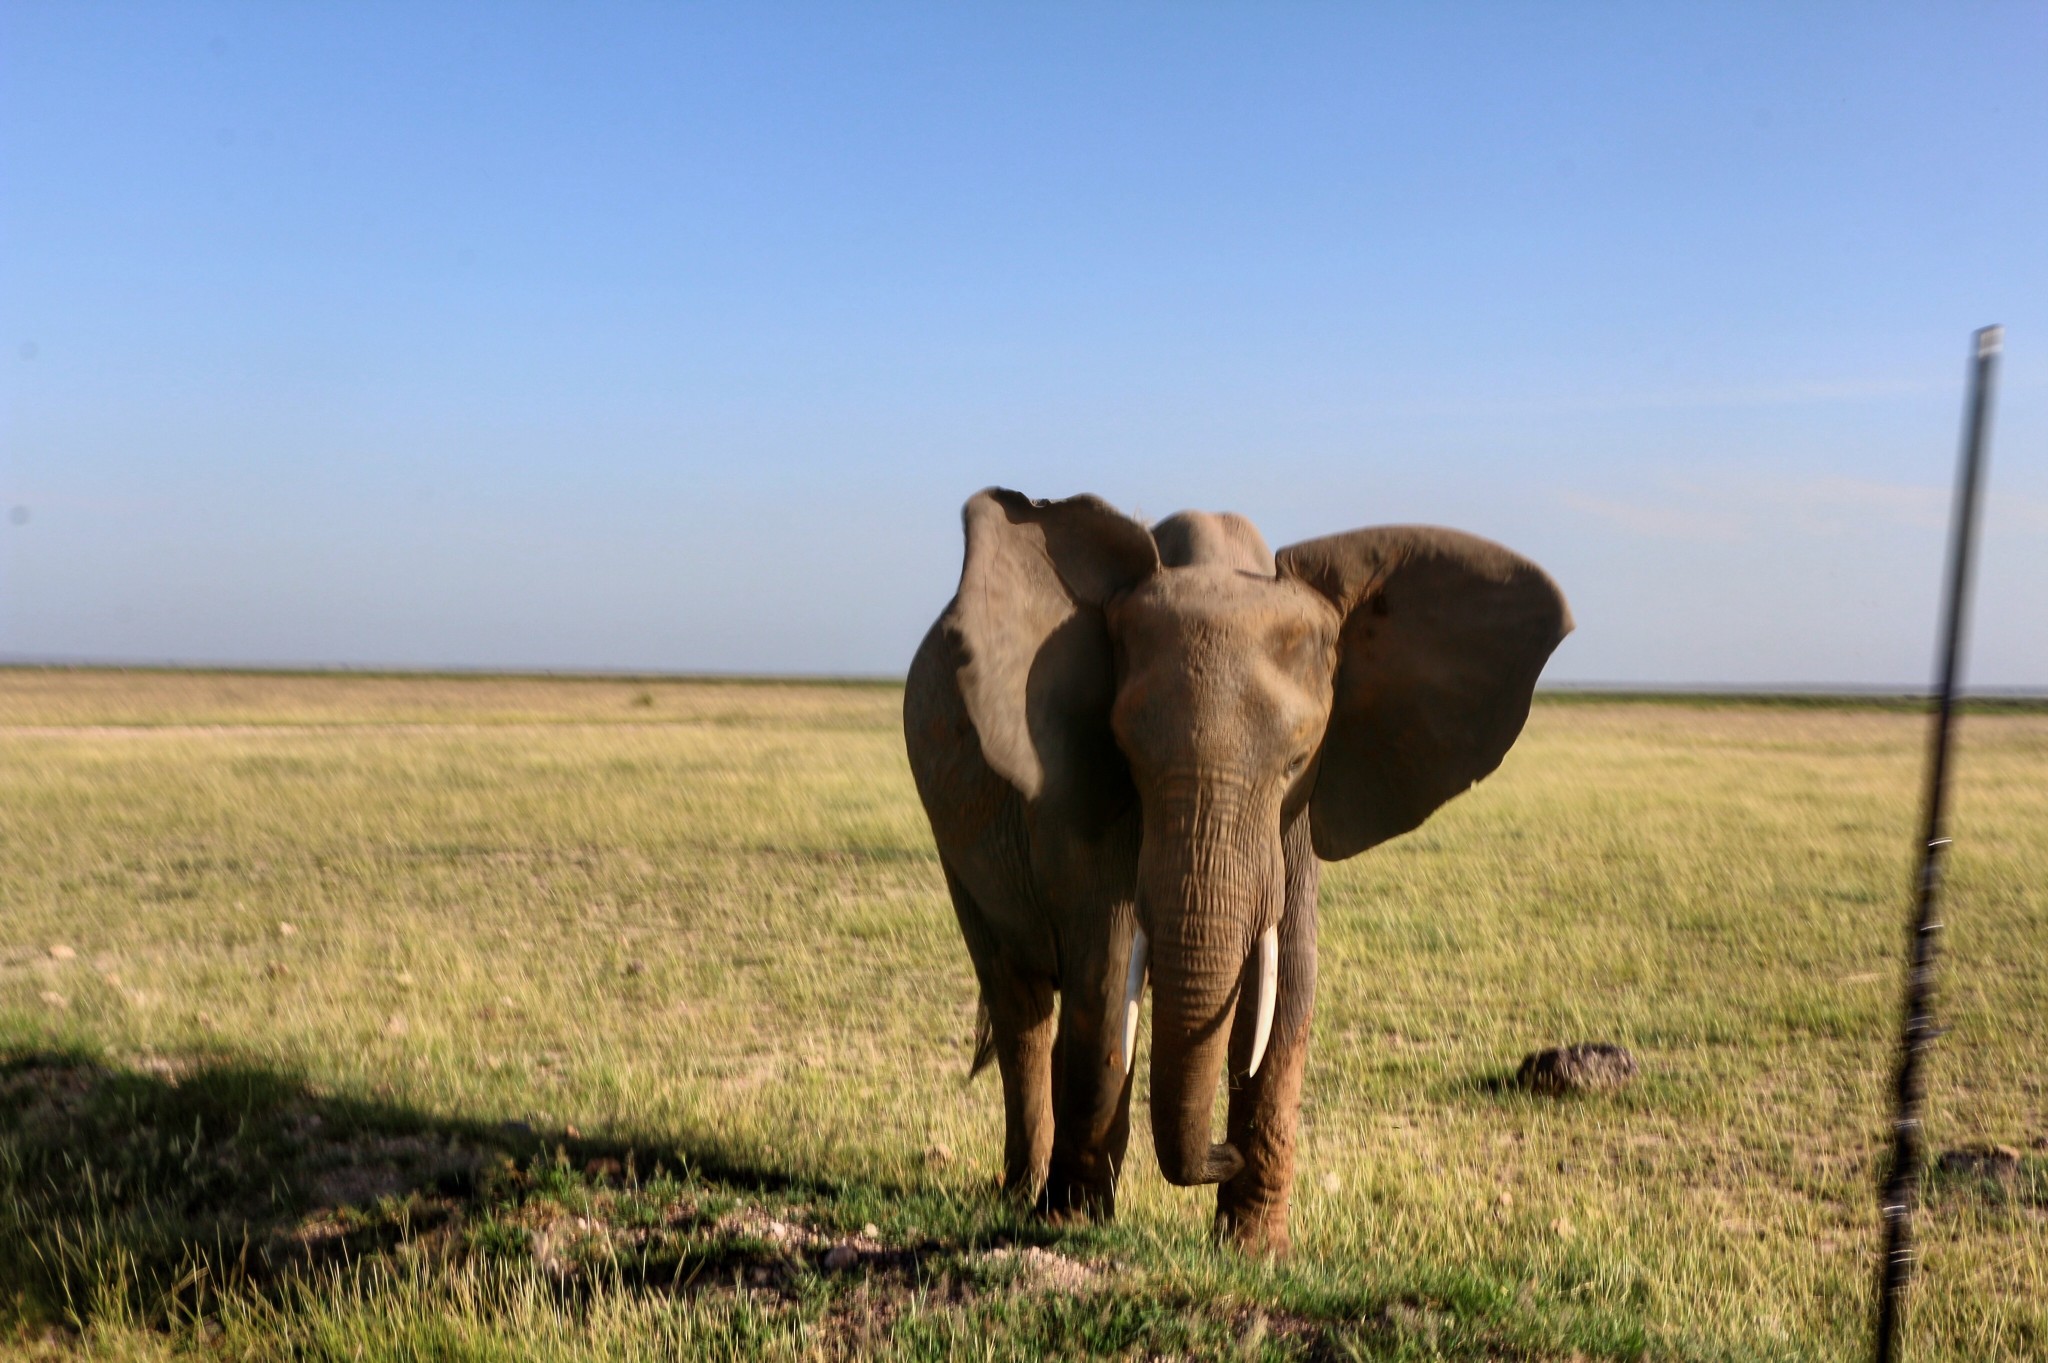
(673, 337)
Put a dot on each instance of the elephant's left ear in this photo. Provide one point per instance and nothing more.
(1444, 636)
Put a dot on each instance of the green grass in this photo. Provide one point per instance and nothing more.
(478, 1017)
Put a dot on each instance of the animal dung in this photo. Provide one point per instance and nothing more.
(1997, 1162)
(1587, 1067)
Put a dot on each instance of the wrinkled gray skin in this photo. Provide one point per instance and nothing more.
(1115, 728)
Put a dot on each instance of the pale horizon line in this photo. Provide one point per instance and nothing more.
(1580, 686)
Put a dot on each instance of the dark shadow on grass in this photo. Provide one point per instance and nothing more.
(185, 1179)
(149, 1192)
(1493, 1084)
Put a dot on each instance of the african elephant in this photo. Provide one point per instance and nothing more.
(1133, 745)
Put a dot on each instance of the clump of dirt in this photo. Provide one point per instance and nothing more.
(358, 1168)
(793, 1238)
(46, 1092)
(351, 1184)
(757, 1223)
(560, 1244)
(2003, 1175)
(853, 1250)
(318, 1232)
(1044, 1270)
(1586, 1067)
(1999, 1163)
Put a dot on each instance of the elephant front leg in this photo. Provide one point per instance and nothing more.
(1265, 1108)
(1092, 1083)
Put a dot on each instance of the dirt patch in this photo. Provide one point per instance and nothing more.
(48, 1095)
(756, 1223)
(1044, 1270)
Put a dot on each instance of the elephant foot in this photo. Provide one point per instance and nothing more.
(1023, 1188)
(1253, 1223)
(1077, 1194)
(1075, 1215)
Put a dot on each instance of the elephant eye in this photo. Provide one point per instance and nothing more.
(1294, 767)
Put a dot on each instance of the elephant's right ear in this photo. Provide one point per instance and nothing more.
(1038, 677)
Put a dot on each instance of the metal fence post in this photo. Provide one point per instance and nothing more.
(1908, 1154)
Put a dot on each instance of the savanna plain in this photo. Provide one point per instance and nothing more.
(353, 1017)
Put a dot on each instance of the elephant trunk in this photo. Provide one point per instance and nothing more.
(1208, 900)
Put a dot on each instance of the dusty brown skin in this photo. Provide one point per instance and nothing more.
(1115, 728)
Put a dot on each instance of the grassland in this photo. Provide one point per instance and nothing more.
(511, 1018)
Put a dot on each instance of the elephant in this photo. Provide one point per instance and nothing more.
(1133, 746)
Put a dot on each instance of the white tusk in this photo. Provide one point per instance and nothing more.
(1134, 989)
(1269, 994)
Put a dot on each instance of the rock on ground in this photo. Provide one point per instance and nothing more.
(1587, 1067)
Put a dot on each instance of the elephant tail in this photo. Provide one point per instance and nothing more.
(984, 1040)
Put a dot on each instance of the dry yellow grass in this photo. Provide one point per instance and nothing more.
(705, 918)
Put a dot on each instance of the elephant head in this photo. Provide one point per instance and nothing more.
(1361, 679)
